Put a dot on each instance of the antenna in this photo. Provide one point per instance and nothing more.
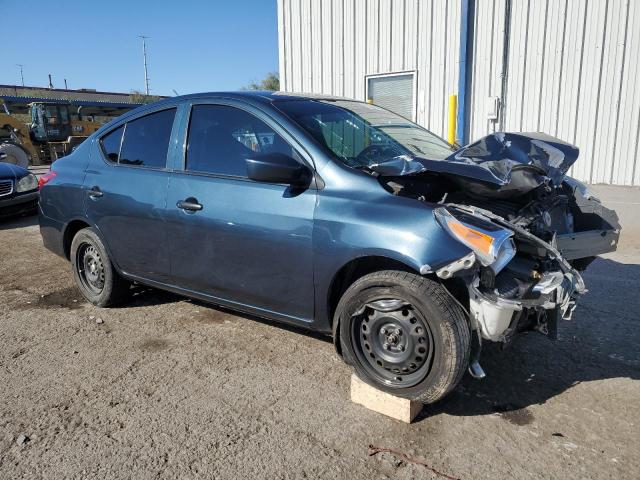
(144, 57)
(21, 75)
(50, 82)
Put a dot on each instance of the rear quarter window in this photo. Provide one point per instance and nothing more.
(111, 144)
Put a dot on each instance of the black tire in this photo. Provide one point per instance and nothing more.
(14, 155)
(426, 341)
(93, 271)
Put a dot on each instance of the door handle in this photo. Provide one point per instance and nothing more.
(190, 204)
(95, 192)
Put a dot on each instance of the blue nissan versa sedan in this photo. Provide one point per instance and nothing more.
(334, 215)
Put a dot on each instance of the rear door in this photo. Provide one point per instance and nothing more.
(250, 243)
(126, 188)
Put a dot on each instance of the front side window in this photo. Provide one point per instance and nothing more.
(221, 138)
(146, 140)
(361, 135)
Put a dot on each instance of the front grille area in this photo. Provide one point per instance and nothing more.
(6, 187)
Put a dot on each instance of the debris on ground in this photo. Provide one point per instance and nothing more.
(22, 439)
(373, 450)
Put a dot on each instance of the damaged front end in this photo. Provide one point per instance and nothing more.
(530, 229)
(509, 291)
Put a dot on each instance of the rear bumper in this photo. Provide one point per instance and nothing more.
(18, 204)
(52, 233)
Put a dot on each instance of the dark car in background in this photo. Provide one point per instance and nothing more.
(337, 216)
(18, 190)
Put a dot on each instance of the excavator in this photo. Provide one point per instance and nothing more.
(53, 131)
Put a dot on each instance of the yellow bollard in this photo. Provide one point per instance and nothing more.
(453, 113)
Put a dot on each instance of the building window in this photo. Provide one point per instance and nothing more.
(395, 92)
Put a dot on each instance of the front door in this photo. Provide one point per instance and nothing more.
(244, 242)
(126, 188)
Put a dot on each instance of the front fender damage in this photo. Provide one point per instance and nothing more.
(517, 298)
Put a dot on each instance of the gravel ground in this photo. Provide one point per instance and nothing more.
(165, 387)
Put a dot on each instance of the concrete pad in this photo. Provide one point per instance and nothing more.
(399, 408)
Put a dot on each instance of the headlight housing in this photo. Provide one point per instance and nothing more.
(581, 187)
(491, 244)
(29, 182)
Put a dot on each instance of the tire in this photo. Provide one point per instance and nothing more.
(419, 349)
(14, 155)
(95, 276)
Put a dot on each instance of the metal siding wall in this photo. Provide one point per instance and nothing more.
(330, 46)
(572, 73)
(572, 66)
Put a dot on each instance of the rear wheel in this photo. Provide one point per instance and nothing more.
(93, 272)
(403, 334)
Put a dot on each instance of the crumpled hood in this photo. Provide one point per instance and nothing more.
(498, 165)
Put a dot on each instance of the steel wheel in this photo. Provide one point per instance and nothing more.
(393, 342)
(90, 268)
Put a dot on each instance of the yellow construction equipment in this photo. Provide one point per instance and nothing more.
(52, 132)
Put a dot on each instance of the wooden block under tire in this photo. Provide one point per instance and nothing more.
(370, 397)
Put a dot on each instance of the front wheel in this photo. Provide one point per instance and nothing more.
(93, 272)
(403, 334)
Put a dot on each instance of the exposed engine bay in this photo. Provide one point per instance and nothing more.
(531, 229)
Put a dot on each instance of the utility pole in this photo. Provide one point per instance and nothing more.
(21, 75)
(144, 57)
(65, 84)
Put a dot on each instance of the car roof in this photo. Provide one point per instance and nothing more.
(262, 96)
(254, 96)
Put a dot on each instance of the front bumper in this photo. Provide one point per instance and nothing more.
(495, 316)
(20, 203)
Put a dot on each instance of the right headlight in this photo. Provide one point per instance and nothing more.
(491, 244)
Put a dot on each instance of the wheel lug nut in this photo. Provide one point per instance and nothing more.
(419, 330)
(383, 331)
(402, 348)
(398, 332)
(386, 346)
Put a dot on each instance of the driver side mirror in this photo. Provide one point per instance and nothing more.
(278, 168)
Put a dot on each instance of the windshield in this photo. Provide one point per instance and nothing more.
(362, 135)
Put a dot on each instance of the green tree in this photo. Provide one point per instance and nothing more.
(270, 82)
(139, 97)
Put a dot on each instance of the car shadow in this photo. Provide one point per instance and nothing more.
(142, 296)
(19, 221)
(601, 342)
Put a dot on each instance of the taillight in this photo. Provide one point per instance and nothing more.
(46, 178)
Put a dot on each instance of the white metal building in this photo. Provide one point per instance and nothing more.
(565, 67)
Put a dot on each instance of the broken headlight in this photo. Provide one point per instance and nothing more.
(491, 244)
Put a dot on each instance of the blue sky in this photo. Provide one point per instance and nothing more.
(194, 45)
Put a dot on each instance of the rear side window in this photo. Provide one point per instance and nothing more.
(111, 144)
(146, 140)
(221, 138)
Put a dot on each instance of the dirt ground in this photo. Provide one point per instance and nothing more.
(164, 387)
